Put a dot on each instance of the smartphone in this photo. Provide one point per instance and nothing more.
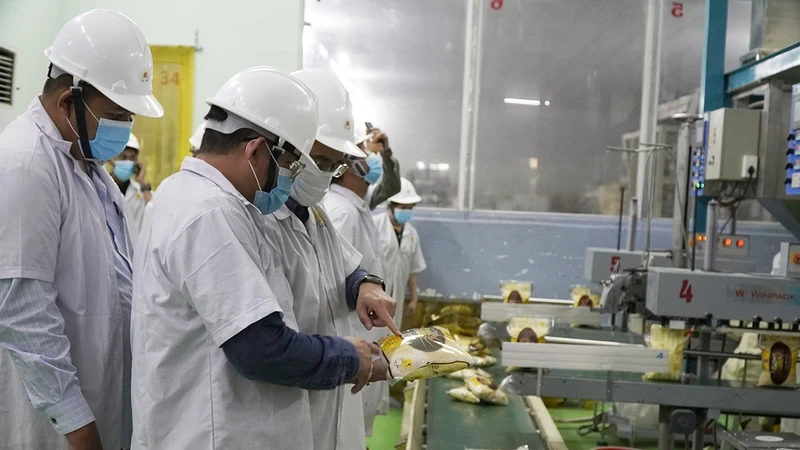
(369, 126)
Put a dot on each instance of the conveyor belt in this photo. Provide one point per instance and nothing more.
(455, 425)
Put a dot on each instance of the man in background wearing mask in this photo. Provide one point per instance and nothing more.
(122, 171)
(377, 142)
(65, 270)
(400, 248)
(349, 212)
(218, 360)
(322, 267)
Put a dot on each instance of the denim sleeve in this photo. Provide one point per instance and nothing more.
(352, 283)
(270, 351)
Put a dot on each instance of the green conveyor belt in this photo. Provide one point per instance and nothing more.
(455, 425)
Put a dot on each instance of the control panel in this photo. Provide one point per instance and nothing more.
(729, 245)
(698, 170)
(789, 260)
(792, 157)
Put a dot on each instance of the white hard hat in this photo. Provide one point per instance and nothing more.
(197, 136)
(273, 101)
(108, 51)
(133, 142)
(335, 111)
(407, 195)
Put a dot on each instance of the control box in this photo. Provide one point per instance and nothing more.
(732, 142)
(728, 245)
(792, 158)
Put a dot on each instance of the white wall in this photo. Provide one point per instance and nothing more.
(234, 35)
(27, 27)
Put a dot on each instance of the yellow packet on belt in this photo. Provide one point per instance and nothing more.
(778, 361)
(663, 338)
(464, 394)
(423, 353)
(529, 329)
(516, 291)
(487, 390)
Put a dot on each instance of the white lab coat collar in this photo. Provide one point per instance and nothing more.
(48, 127)
(350, 195)
(284, 213)
(210, 172)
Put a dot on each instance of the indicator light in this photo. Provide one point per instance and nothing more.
(727, 242)
(740, 243)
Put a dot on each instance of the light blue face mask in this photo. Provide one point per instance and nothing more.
(123, 170)
(402, 216)
(269, 202)
(375, 164)
(111, 138)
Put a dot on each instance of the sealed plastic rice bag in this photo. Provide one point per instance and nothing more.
(485, 361)
(423, 353)
(473, 344)
(529, 329)
(516, 291)
(778, 361)
(583, 296)
(469, 373)
(487, 390)
(674, 341)
(464, 394)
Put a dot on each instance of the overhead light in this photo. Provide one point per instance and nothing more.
(533, 163)
(421, 165)
(521, 101)
(441, 167)
(547, 103)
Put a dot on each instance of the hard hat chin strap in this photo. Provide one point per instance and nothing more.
(80, 115)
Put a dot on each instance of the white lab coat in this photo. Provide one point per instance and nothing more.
(135, 204)
(61, 237)
(351, 216)
(316, 261)
(400, 260)
(199, 279)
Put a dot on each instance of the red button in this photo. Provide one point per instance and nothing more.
(796, 258)
(740, 243)
(727, 242)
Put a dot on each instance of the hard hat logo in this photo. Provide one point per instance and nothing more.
(145, 77)
(347, 125)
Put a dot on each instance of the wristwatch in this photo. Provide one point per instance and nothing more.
(373, 279)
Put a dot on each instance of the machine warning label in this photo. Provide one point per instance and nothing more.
(763, 294)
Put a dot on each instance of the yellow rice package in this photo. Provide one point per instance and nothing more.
(459, 319)
(778, 361)
(485, 361)
(464, 394)
(469, 373)
(473, 344)
(423, 353)
(674, 341)
(487, 390)
(516, 291)
(583, 296)
(529, 329)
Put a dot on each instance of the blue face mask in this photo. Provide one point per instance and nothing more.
(402, 216)
(375, 164)
(269, 202)
(123, 170)
(111, 138)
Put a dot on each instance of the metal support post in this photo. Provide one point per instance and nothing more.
(633, 218)
(665, 441)
(710, 258)
(683, 157)
(651, 83)
(470, 101)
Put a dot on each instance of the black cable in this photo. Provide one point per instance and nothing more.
(621, 212)
(694, 225)
(83, 135)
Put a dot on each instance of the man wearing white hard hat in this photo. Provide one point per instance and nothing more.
(400, 248)
(376, 142)
(65, 268)
(322, 267)
(123, 167)
(350, 213)
(218, 361)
